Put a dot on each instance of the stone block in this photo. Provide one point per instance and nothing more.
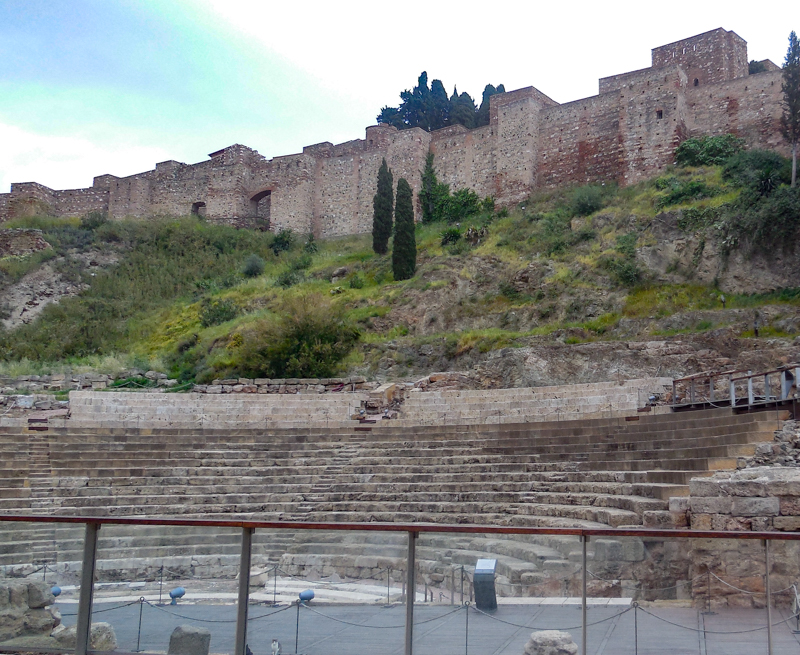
(214, 388)
(743, 506)
(189, 640)
(790, 505)
(786, 523)
(261, 381)
(711, 505)
(705, 487)
(102, 637)
(701, 521)
(749, 488)
(657, 519)
(551, 642)
(39, 595)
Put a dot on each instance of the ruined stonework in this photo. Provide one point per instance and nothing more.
(624, 134)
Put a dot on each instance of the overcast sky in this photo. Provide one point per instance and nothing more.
(113, 86)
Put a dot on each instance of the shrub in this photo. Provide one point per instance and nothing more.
(93, 220)
(450, 235)
(678, 191)
(253, 266)
(760, 170)
(289, 278)
(356, 282)
(586, 200)
(308, 339)
(214, 312)
(462, 204)
(301, 263)
(283, 241)
(310, 245)
(708, 150)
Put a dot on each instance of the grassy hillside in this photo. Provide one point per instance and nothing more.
(202, 301)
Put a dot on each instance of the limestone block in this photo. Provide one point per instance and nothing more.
(39, 595)
(711, 505)
(189, 640)
(705, 487)
(756, 506)
(787, 523)
(102, 637)
(701, 521)
(790, 506)
(657, 519)
(214, 388)
(744, 487)
(551, 642)
(678, 503)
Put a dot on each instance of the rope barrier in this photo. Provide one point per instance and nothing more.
(715, 632)
(382, 627)
(745, 591)
(191, 618)
(574, 627)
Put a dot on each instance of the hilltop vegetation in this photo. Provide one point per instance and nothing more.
(575, 264)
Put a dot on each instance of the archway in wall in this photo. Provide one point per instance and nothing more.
(260, 205)
(199, 209)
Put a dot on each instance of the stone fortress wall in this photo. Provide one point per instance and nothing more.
(627, 132)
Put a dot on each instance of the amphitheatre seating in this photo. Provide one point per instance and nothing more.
(528, 404)
(193, 410)
(586, 472)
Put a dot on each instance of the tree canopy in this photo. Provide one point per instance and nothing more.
(404, 249)
(431, 109)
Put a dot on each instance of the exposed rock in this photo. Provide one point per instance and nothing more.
(102, 637)
(188, 640)
(551, 642)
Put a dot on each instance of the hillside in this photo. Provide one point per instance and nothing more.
(576, 270)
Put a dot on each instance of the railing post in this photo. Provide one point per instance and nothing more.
(84, 620)
(244, 592)
(711, 388)
(733, 391)
(584, 542)
(691, 392)
(767, 394)
(769, 597)
(750, 398)
(411, 590)
(674, 394)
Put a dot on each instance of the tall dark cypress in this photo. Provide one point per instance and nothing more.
(404, 250)
(382, 205)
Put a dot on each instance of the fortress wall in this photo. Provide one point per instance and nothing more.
(338, 184)
(580, 142)
(749, 107)
(292, 180)
(708, 58)
(406, 158)
(5, 199)
(652, 121)
(515, 120)
(78, 202)
(452, 149)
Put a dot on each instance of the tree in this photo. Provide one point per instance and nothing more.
(382, 205)
(790, 120)
(483, 111)
(431, 192)
(404, 252)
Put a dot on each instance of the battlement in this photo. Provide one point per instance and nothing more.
(626, 133)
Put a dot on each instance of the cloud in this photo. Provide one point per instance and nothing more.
(65, 162)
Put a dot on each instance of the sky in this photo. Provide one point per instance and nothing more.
(89, 87)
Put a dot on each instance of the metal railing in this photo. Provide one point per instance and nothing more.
(92, 527)
(736, 388)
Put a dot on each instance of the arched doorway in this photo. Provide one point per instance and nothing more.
(199, 209)
(260, 205)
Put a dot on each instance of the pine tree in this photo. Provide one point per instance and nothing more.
(382, 205)
(790, 120)
(404, 251)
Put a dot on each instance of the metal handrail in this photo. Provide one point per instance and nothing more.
(407, 527)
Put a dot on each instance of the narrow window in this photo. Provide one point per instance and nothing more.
(696, 82)
(659, 114)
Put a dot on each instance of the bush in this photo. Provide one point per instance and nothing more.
(356, 282)
(308, 339)
(760, 170)
(283, 241)
(586, 200)
(253, 266)
(289, 278)
(708, 150)
(678, 191)
(214, 312)
(450, 235)
(301, 263)
(310, 245)
(462, 204)
(93, 220)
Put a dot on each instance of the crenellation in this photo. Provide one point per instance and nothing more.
(699, 85)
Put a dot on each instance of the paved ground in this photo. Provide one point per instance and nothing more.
(441, 629)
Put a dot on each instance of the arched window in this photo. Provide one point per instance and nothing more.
(696, 82)
(260, 206)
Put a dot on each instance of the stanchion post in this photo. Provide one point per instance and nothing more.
(161, 583)
(769, 596)
(452, 586)
(139, 633)
(584, 540)
(297, 627)
(466, 631)
(388, 585)
(462, 584)
(411, 591)
(244, 591)
(84, 619)
(636, 628)
(275, 585)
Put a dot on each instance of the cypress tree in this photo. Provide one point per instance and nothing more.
(790, 120)
(404, 252)
(382, 205)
